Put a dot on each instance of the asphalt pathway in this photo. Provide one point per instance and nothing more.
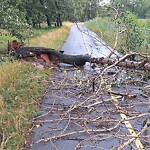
(79, 42)
(71, 117)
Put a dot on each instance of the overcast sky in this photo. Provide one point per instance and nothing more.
(104, 1)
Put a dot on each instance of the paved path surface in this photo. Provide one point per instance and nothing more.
(81, 43)
(74, 117)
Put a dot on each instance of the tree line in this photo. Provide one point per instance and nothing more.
(21, 14)
(141, 8)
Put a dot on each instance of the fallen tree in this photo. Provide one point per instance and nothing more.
(51, 55)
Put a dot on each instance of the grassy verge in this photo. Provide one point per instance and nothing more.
(143, 23)
(28, 34)
(51, 39)
(4, 42)
(21, 89)
(104, 27)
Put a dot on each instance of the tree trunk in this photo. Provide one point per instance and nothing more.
(78, 60)
(46, 14)
(58, 20)
(48, 21)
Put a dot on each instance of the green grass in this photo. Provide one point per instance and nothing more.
(46, 37)
(4, 42)
(104, 27)
(21, 86)
(30, 33)
(143, 23)
(27, 34)
(21, 89)
(52, 39)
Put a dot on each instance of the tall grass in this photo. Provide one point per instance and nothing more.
(21, 89)
(21, 86)
(104, 27)
(6, 36)
(4, 42)
(51, 39)
(143, 23)
(27, 34)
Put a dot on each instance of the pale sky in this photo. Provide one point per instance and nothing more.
(105, 1)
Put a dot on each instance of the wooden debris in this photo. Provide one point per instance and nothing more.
(55, 57)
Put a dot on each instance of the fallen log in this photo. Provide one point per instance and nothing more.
(144, 65)
(52, 55)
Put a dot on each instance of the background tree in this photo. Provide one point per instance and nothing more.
(12, 17)
(141, 8)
